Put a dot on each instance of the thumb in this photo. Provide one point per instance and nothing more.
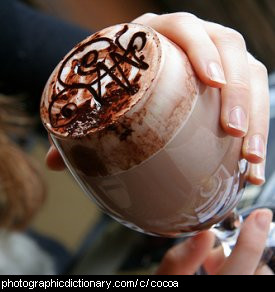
(186, 257)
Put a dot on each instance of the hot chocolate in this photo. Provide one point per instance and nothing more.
(98, 81)
(141, 133)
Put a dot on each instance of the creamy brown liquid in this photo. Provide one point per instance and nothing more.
(153, 156)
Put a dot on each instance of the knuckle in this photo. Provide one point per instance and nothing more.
(149, 15)
(146, 17)
(257, 66)
(232, 35)
(253, 61)
(184, 17)
(261, 67)
(240, 86)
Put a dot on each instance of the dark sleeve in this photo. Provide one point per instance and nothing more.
(32, 44)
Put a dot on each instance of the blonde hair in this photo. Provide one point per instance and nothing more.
(22, 190)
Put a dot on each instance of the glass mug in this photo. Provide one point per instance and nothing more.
(141, 134)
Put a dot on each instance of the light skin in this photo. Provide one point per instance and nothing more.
(220, 58)
(187, 257)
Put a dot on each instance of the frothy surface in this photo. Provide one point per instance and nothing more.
(100, 80)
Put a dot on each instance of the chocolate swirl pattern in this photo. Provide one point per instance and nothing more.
(96, 81)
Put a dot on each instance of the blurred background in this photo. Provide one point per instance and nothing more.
(68, 226)
(253, 18)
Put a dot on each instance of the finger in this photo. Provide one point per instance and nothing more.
(247, 253)
(53, 159)
(256, 173)
(254, 146)
(186, 257)
(214, 261)
(236, 93)
(145, 18)
(264, 270)
(186, 31)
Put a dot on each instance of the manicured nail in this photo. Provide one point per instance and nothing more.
(256, 146)
(263, 218)
(216, 73)
(237, 119)
(258, 171)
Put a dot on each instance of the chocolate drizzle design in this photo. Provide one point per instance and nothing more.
(83, 103)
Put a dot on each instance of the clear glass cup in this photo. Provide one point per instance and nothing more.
(159, 163)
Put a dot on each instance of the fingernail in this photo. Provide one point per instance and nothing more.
(237, 119)
(256, 146)
(258, 171)
(216, 73)
(263, 218)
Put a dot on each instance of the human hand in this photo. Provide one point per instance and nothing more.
(220, 58)
(187, 257)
